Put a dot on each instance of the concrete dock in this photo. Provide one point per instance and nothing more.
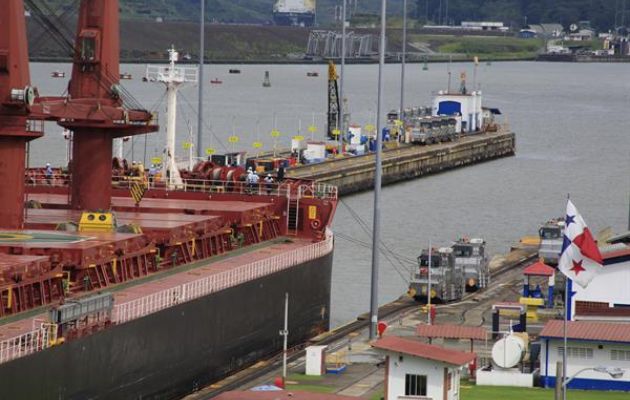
(354, 174)
(363, 377)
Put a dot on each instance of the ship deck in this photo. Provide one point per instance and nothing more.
(19, 324)
(230, 209)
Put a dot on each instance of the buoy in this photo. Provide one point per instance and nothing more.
(266, 81)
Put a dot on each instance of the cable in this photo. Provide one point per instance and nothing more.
(209, 128)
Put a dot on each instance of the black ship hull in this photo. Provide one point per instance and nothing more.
(294, 19)
(173, 352)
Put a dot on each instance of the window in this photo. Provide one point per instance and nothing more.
(415, 385)
(620, 355)
(583, 353)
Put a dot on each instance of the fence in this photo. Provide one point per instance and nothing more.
(27, 343)
(202, 287)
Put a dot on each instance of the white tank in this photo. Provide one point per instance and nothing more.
(509, 351)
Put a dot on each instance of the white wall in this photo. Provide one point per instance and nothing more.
(434, 371)
(601, 357)
(471, 108)
(504, 378)
(610, 285)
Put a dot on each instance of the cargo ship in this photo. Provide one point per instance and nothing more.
(294, 12)
(113, 286)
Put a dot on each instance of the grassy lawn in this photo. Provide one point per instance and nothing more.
(312, 388)
(470, 392)
(481, 46)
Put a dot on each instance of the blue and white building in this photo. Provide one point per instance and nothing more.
(589, 345)
(464, 104)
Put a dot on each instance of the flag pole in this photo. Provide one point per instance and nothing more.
(564, 329)
(564, 335)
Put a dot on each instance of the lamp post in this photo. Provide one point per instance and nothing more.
(614, 372)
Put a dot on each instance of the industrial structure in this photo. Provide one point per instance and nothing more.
(328, 44)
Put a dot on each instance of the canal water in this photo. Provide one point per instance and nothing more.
(571, 122)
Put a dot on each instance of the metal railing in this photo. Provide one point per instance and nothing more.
(155, 302)
(28, 343)
(318, 190)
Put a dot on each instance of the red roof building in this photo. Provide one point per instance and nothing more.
(539, 269)
(414, 369)
(589, 344)
(447, 331)
(585, 330)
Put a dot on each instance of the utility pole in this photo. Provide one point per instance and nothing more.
(377, 179)
(402, 65)
(285, 334)
(202, 49)
(429, 286)
(342, 119)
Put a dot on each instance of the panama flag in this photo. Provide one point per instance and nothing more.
(580, 259)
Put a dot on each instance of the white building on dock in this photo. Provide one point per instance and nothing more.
(416, 370)
(462, 103)
(590, 345)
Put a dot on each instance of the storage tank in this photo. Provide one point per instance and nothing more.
(509, 351)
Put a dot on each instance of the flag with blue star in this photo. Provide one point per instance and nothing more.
(580, 259)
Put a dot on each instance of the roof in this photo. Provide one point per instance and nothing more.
(452, 332)
(423, 350)
(586, 330)
(621, 238)
(539, 269)
(280, 395)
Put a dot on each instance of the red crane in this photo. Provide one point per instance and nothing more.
(15, 96)
(95, 108)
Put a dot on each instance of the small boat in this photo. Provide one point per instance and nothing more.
(58, 74)
(125, 75)
(216, 81)
(235, 71)
(312, 74)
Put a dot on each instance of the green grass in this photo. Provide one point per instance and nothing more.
(312, 388)
(304, 378)
(472, 392)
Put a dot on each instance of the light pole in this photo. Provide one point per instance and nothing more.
(377, 179)
(402, 64)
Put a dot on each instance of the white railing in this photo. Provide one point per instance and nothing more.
(202, 287)
(27, 343)
(318, 190)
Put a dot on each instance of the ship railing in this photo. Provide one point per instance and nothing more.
(205, 186)
(38, 177)
(27, 343)
(155, 302)
(318, 190)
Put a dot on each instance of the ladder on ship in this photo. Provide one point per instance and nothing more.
(293, 213)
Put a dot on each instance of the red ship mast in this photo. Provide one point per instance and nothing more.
(15, 96)
(96, 108)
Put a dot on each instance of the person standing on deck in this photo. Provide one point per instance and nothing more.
(48, 173)
(268, 184)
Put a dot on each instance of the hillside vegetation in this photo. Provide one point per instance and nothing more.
(603, 14)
